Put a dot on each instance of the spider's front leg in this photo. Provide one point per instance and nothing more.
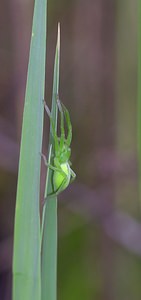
(62, 133)
(64, 111)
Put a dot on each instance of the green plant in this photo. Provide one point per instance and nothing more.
(26, 258)
(139, 90)
(49, 218)
(35, 246)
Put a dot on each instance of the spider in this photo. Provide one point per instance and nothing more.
(63, 175)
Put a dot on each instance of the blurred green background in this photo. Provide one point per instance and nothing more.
(99, 240)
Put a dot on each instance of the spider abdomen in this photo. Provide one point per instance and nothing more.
(62, 179)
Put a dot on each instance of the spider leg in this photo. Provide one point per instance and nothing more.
(55, 137)
(56, 169)
(73, 175)
(44, 159)
(47, 109)
(62, 136)
(68, 123)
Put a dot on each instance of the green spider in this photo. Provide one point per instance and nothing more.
(63, 175)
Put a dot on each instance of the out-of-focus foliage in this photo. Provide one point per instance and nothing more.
(99, 244)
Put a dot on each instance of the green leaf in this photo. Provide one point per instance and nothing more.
(26, 260)
(49, 222)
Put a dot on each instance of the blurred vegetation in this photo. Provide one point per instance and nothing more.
(99, 224)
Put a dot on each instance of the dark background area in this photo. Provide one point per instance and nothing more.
(99, 238)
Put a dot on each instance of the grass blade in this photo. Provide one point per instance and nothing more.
(49, 241)
(26, 260)
(139, 94)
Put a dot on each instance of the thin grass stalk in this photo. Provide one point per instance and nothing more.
(26, 259)
(139, 93)
(49, 225)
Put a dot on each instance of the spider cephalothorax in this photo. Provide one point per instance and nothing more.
(63, 175)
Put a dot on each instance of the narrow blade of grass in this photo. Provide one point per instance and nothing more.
(139, 94)
(49, 241)
(26, 260)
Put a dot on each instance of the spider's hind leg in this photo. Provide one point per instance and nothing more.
(47, 109)
(73, 175)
